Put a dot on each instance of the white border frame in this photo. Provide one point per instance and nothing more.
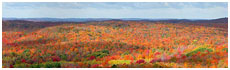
(109, 1)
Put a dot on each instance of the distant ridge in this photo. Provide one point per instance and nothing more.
(219, 20)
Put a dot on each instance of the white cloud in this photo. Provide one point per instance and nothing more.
(118, 10)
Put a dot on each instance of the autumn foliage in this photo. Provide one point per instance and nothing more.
(120, 44)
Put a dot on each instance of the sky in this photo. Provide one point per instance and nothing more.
(153, 10)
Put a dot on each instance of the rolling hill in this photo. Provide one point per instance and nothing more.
(115, 43)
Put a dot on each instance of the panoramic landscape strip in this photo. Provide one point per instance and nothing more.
(115, 35)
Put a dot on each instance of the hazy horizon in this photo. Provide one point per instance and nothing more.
(104, 18)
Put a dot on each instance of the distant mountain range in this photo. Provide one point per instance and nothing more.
(220, 20)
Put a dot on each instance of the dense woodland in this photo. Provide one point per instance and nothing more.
(112, 44)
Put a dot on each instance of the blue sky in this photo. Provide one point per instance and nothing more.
(154, 10)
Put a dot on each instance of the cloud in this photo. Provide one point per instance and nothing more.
(113, 5)
(189, 10)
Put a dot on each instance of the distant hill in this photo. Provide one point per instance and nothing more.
(14, 24)
(220, 20)
(22, 25)
(60, 19)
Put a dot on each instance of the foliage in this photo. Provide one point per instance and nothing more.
(116, 44)
(199, 50)
(100, 54)
(115, 62)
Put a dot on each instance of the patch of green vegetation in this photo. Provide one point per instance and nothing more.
(26, 51)
(21, 65)
(42, 65)
(99, 54)
(13, 54)
(164, 35)
(63, 56)
(35, 66)
(93, 62)
(114, 62)
(9, 59)
(153, 49)
(52, 65)
(158, 65)
(201, 49)
(105, 51)
(126, 53)
(225, 49)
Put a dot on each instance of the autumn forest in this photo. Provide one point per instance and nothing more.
(114, 44)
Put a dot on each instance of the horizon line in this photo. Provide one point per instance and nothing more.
(106, 18)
